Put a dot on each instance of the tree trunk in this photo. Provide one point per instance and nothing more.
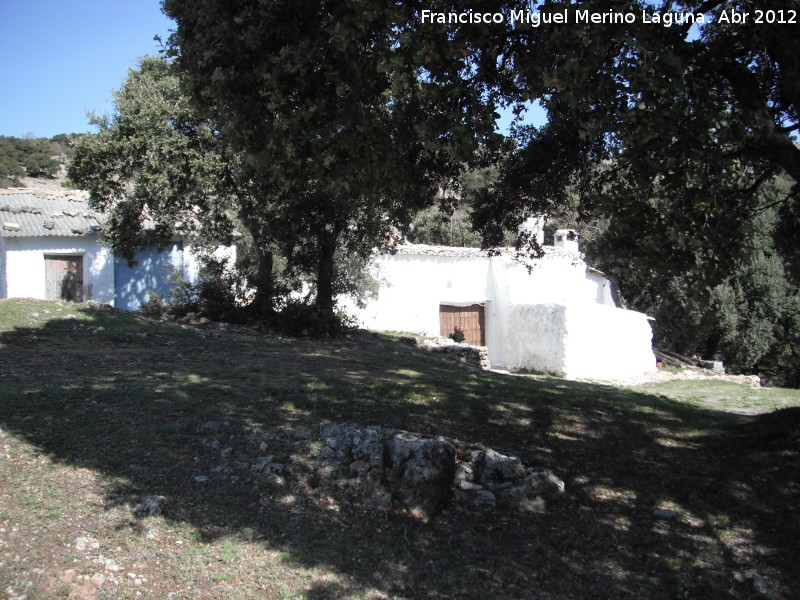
(325, 275)
(263, 305)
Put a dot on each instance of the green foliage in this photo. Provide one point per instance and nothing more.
(153, 159)
(154, 305)
(218, 294)
(40, 165)
(219, 288)
(299, 318)
(352, 115)
(746, 316)
(354, 278)
(668, 137)
(32, 157)
(449, 222)
(182, 297)
(432, 226)
(10, 169)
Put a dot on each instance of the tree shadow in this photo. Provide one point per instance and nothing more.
(152, 407)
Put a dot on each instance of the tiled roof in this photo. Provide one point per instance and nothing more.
(457, 252)
(427, 250)
(33, 213)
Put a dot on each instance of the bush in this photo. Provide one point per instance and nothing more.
(217, 290)
(154, 305)
(215, 295)
(182, 297)
(301, 319)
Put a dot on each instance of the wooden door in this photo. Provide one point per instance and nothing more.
(469, 318)
(64, 277)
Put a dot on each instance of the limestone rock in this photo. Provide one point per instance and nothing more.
(759, 584)
(420, 470)
(493, 466)
(463, 473)
(416, 470)
(261, 464)
(150, 506)
(336, 454)
(475, 497)
(542, 482)
(369, 448)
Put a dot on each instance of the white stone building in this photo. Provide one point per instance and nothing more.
(53, 251)
(554, 314)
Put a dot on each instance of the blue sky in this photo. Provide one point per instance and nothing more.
(62, 58)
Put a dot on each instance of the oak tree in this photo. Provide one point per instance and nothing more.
(353, 114)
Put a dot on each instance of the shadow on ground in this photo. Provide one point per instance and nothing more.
(152, 406)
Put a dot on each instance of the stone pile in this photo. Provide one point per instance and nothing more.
(390, 467)
(475, 356)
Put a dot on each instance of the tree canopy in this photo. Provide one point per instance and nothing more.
(352, 116)
(670, 130)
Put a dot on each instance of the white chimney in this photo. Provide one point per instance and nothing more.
(533, 227)
(567, 239)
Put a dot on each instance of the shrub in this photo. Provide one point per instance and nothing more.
(154, 305)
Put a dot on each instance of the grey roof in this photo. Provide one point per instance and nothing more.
(34, 213)
(458, 252)
(428, 250)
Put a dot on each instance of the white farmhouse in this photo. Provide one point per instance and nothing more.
(554, 314)
(2, 265)
(52, 251)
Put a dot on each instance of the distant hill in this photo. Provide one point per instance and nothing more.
(36, 162)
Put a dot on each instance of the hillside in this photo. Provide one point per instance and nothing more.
(668, 493)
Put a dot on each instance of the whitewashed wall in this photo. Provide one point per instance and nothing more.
(25, 276)
(578, 341)
(3, 291)
(23, 273)
(559, 318)
(413, 287)
(607, 343)
(534, 338)
(560, 278)
(191, 264)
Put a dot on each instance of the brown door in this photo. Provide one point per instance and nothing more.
(469, 318)
(64, 277)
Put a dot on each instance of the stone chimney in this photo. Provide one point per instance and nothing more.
(567, 239)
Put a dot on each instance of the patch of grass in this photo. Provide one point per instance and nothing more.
(103, 409)
(725, 395)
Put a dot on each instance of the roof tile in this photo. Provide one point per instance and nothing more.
(33, 213)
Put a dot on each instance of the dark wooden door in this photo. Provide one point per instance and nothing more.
(64, 277)
(469, 318)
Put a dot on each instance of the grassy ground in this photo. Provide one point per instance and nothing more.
(99, 409)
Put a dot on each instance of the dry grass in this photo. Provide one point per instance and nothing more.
(101, 409)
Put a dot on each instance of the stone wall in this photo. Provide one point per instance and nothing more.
(473, 356)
